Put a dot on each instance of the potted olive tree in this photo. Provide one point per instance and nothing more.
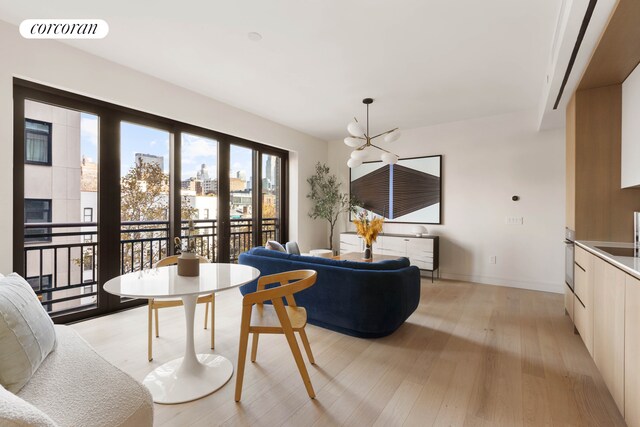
(328, 201)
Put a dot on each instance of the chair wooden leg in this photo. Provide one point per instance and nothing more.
(307, 347)
(254, 346)
(293, 344)
(206, 314)
(157, 325)
(242, 351)
(213, 320)
(150, 334)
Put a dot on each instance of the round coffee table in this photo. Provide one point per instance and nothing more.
(322, 253)
(194, 375)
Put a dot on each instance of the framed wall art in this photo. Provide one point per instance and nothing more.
(409, 191)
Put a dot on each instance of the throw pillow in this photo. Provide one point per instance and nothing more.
(17, 412)
(27, 335)
(292, 248)
(275, 246)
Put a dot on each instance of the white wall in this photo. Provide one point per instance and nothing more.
(631, 130)
(58, 65)
(485, 162)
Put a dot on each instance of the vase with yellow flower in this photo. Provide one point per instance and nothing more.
(368, 229)
(188, 261)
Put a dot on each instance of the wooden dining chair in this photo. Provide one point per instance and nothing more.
(156, 304)
(276, 319)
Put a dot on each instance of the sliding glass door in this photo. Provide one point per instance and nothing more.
(199, 192)
(271, 198)
(59, 196)
(256, 207)
(102, 190)
(241, 200)
(144, 196)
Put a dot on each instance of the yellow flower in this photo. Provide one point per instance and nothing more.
(368, 229)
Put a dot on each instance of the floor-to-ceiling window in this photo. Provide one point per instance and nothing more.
(271, 197)
(199, 192)
(102, 190)
(144, 196)
(59, 186)
(241, 205)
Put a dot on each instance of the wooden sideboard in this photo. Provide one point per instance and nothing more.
(423, 252)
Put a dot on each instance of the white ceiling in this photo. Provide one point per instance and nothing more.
(424, 61)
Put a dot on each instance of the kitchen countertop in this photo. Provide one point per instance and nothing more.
(628, 264)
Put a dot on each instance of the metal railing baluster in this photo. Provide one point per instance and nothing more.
(136, 238)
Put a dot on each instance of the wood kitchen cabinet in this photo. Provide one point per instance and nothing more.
(597, 207)
(569, 301)
(609, 327)
(613, 296)
(632, 352)
(631, 130)
(583, 300)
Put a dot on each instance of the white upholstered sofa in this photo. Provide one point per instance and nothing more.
(72, 386)
(75, 386)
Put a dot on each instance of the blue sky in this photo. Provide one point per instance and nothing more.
(135, 138)
(141, 139)
(240, 160)
(196, 151)
(89, 135)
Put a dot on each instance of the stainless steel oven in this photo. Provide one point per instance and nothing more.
(569, 241)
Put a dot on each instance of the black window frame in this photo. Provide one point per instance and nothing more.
(49, 141)
(84, 215)
(108, 218)
(47, 230)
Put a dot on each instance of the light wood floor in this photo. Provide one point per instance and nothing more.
(471, 354)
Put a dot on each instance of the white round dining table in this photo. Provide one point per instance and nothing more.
(194, 375)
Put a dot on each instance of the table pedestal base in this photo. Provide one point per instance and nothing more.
(178, 382)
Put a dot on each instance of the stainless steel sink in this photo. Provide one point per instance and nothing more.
(631, 252)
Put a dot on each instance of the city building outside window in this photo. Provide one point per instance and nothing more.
(37, 147)
(37, 211)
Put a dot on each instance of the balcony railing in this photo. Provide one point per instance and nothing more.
(142, 244)
(60, 259)
(241, 236)
(270, 229)
(60, 265)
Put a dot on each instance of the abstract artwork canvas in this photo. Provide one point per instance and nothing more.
(407, 192)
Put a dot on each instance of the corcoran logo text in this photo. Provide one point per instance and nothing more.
(64, 28)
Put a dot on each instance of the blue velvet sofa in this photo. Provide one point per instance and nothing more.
(360, 299)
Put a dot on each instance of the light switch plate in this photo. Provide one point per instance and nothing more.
(514, 220)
